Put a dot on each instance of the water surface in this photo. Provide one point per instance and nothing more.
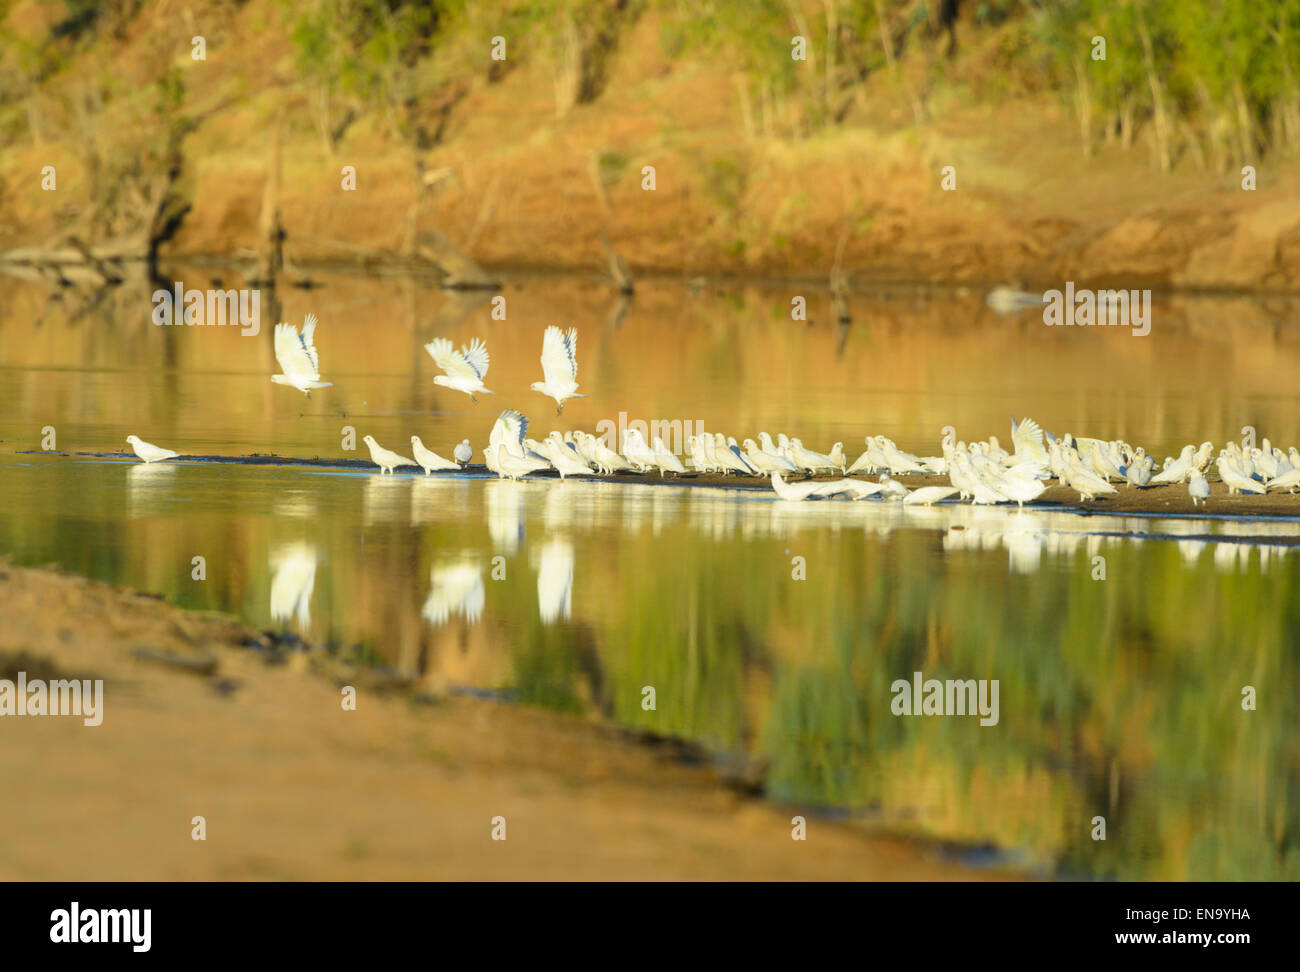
(1118, 697)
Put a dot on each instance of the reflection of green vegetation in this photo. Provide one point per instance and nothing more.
(1117, 698)
(610, 165)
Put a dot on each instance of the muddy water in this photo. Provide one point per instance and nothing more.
(1118, 696)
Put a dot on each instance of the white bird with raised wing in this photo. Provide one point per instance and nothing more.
(464, 370)
(1027, 438)
(298, 358)
(559, 366)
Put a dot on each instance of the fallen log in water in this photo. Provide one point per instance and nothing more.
(71, 260)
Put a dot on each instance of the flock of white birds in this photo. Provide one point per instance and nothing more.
(982, 472)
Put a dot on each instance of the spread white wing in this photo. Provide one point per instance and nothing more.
(471, 362)
(1028, 439)
(510, 429)
(560, 356)
(296, 353)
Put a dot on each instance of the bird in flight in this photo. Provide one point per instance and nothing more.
(463, 369)
(299, 361)
(559, 366)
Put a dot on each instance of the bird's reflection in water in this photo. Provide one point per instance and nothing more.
(148, 484)
(298, 503)
(386, 499)
(554, 564)
(665, 507)
(455, 587)
(294, 567)
(433, 496)
(564, 503)
(505, 514)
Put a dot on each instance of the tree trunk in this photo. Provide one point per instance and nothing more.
(1083, 97)
(1163, 146)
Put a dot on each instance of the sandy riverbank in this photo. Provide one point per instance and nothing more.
(295, 788)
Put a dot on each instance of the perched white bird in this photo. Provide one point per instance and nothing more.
(385, 459)
(509, 466)
(666, 460)
(427, 459)
(637, 452)
(464, 452)
(928, 495)
(767, 462)
(1203, 455)
(895, 460)
(695, 448)
(297, 356)
(807, 459)
(464, 369)
(865, 463)
(1103, 463)
(892, 488)
(1176, 471)
(836, 456)
(793, 491)
(148, 451)
(605, 457)
(1235, 479)
(1290, 481)
(559, 366)
(726, 455)
(962, 475)
(563, 457)
(1198, 488)
(1021, 484)
(852, 488)
(1138, 471)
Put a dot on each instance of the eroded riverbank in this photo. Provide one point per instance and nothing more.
(205, 716)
